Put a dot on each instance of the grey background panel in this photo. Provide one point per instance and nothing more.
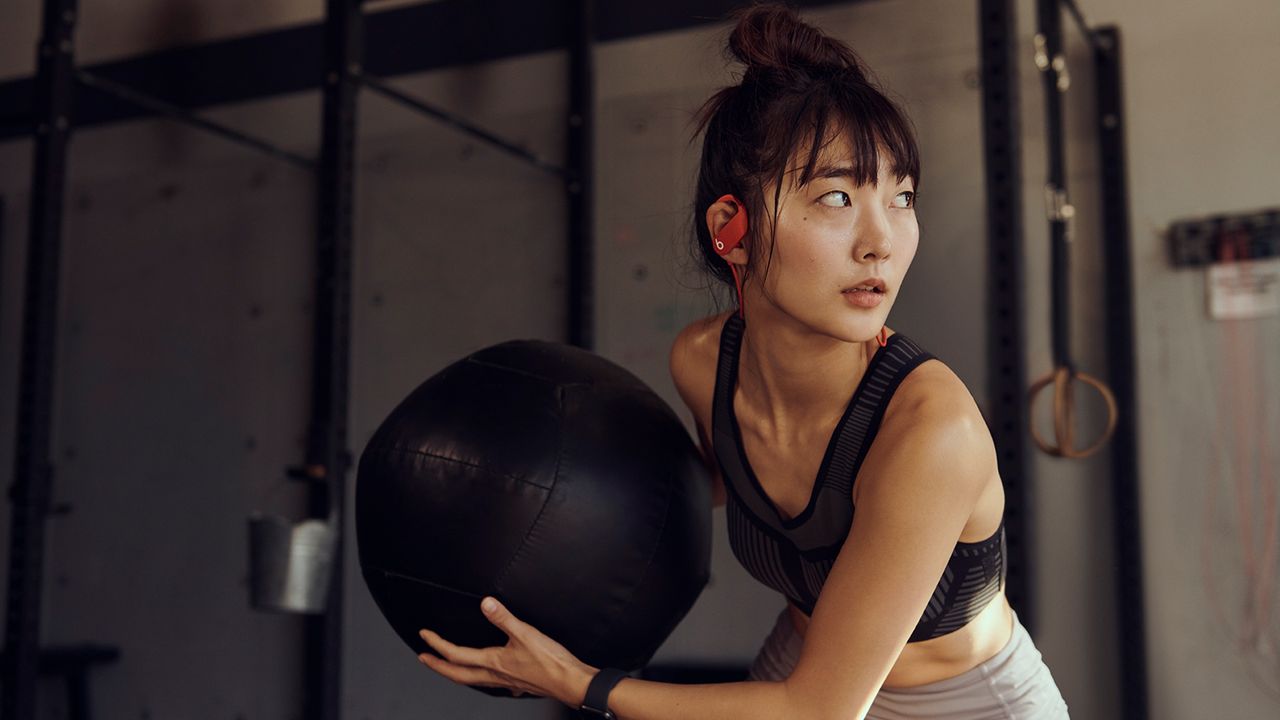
(182, 390)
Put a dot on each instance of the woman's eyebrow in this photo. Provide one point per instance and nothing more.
(833, 171)
(842, 171)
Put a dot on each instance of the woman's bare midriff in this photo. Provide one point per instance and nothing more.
(949, 655)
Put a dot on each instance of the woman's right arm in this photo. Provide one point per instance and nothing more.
(693, 372)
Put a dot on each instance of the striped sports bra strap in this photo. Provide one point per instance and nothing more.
(730, 341)
(890, 365)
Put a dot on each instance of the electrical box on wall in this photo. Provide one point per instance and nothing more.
(1225, 238)
(1241, 254)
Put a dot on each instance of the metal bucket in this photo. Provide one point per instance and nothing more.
(290, 564)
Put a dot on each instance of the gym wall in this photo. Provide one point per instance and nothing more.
(184, 337)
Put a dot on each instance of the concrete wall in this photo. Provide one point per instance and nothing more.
(184, 338)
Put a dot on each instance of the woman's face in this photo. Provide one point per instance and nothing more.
(833, 236)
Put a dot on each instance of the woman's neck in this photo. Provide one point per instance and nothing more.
(792, 377)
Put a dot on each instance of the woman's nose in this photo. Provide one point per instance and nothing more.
(872, 233)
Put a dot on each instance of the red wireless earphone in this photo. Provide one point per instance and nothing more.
(734, 230)
(729, 237)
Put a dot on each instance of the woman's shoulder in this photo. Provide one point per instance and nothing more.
(700, 339)
(935, 390)
(693, 358)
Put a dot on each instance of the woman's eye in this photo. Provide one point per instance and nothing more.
(910, 201)
(835, 198)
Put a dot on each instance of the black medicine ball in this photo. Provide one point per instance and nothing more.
(550, 478)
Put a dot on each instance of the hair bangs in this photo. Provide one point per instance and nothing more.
(869, 125)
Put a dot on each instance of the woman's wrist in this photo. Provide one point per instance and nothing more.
(576, 682)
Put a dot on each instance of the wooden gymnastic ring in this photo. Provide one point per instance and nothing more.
(1063, 415)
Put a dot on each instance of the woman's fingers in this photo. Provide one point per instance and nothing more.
(501, 617)
(464, 674)
(516, 667)
(457, 653)
(474, 676)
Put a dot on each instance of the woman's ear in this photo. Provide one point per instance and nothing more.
(719, 215)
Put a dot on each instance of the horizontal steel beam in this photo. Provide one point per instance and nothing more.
(398, 41)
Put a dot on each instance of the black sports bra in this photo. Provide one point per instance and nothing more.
(794, 555)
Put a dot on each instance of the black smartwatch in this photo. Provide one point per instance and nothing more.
(596, 705)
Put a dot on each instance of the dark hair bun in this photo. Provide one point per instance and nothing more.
(773, 37)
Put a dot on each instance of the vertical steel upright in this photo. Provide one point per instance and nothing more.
(1052, 77)
(580, 182)
(1007, 414)
(1117, 245)
(33, 467)
(327, 442)
(1, 249)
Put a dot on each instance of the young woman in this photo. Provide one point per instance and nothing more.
(858, 475)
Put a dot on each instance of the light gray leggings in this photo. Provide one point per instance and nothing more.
(1015, 684)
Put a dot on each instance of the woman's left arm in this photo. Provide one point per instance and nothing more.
(917, 487)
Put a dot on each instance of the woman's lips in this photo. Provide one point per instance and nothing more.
(863, 298)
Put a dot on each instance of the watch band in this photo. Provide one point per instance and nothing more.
(596, 703)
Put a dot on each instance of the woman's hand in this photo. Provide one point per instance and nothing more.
(530, 663)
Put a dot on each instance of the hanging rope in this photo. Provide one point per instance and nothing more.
(1052, 63)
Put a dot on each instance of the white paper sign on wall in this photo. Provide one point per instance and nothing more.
(1244, 289)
